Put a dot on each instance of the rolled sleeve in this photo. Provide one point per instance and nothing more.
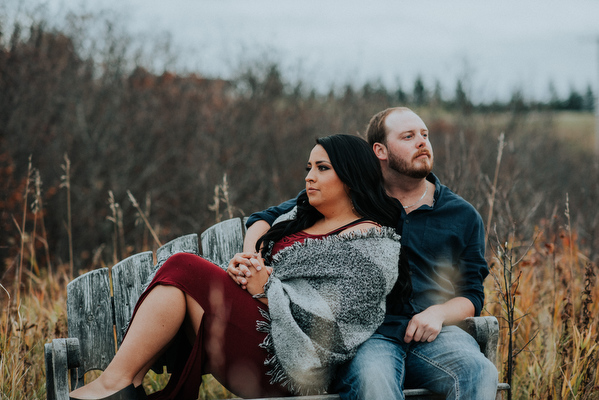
(473, 268)
(272, 213)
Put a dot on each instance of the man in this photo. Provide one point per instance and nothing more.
(442, 237)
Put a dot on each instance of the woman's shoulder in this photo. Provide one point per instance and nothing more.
(362, 226)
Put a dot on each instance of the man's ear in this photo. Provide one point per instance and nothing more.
(380, 150)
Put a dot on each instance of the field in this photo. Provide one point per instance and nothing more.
(100, 160)
(544, 289)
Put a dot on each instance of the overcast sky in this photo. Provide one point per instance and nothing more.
(497, 46)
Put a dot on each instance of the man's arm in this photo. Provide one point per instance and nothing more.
(253, 233)
(257, 225)
(272, 213)
(473, 269)
(425, 326)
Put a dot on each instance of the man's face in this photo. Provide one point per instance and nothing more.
(409, 150)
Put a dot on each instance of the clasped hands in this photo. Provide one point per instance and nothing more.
(248, 271)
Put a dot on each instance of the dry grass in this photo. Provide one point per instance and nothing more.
(574, 128)
(559, 363)
(556, 324)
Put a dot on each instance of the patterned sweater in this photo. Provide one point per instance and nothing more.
(326, 297)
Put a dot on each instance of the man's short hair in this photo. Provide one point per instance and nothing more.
(376, 132)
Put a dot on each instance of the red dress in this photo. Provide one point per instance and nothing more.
(227, 344)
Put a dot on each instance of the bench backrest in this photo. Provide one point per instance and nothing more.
(100, 303)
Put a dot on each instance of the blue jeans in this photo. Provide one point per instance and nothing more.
(452, 364)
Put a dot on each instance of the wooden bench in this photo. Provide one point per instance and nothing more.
(101, 302)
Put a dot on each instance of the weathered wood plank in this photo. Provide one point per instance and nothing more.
(128, 278)
(61, 355)
(413, 394)
(49, 363)
(182, 244)
(486, 332)
(90, 319)
(222, 241)
(60, 369)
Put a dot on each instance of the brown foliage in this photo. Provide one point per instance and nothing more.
(172, 138)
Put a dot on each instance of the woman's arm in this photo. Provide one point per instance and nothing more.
(255, 283)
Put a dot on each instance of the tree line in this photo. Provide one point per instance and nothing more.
(94, 128)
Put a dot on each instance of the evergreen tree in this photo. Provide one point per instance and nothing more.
(420, 94)
(588, 102)
(461, 101)
(554, 101)
(575, 101)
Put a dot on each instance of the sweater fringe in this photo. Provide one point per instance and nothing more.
(276, 371)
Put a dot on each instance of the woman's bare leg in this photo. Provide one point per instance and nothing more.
(157, 321)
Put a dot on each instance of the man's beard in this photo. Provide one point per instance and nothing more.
(402, 167)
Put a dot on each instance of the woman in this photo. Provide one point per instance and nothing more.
(332, 266)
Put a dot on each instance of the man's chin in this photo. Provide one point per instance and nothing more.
(418, 174)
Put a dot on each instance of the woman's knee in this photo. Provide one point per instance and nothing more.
(184, 265)
(181, 260)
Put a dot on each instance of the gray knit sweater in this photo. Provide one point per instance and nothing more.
(326, 297)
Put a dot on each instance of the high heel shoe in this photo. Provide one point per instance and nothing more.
(141, 393)
(128, 393)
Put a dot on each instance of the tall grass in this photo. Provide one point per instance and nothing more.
(547, 307)
(551, 320)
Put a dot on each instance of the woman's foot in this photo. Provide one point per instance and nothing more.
(128, 393)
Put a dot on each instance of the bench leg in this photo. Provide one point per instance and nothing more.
(49, 372)
(60, 356)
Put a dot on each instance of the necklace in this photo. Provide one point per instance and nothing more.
(421, 197)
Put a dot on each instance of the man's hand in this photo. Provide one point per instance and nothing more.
(425, 326)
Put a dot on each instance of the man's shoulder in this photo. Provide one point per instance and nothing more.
(448, 199)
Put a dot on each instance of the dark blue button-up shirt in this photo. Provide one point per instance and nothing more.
(445, 248)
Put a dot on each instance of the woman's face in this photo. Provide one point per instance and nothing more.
(323, 186)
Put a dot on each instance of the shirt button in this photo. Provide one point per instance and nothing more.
(407, 221)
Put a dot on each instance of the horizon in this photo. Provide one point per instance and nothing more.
(495, 49)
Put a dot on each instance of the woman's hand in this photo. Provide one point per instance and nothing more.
(239, 267)
(255, 284)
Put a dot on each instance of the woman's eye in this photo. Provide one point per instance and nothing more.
(323, 168)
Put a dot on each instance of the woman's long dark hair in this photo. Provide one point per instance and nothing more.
(357, 167)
